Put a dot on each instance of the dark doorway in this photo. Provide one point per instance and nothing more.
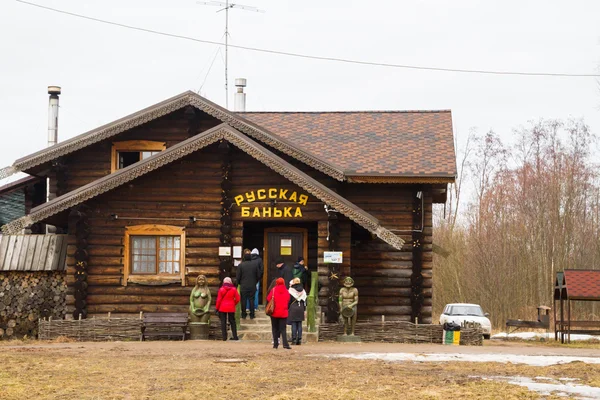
(286, 243)
(256, 235)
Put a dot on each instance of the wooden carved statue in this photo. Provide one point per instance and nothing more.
(200, 301)
(348, 300)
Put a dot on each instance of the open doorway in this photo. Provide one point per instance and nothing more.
(268, 237)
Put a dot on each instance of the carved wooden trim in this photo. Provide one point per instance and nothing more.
(153, 230)
(133, 145)
(158, 110)
(399, 179)
(191, 145)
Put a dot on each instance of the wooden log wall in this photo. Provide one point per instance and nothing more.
(330, 275)
(27, 296)
(383, 275)
(80, 227)
(192, 186)
(225, 239)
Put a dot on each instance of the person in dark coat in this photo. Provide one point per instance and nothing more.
(285, 271)
(297, 309)
(248, 275)
(280, 314)
(255, 257)
(300, 271)
(227, 299)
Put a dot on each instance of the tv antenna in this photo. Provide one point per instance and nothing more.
(225, 7)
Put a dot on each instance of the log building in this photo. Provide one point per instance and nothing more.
(158, 197)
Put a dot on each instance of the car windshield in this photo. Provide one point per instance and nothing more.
(465, 310)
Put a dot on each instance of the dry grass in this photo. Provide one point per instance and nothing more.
(582, 344)
(162, 370)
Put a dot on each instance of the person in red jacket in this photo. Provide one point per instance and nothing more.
(227, 299)
(280, 314)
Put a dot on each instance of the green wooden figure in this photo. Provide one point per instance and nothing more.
(200, 301)
(348, 300)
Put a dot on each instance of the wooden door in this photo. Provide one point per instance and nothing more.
(285, 243)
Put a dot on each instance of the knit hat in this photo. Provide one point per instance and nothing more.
(255, 251)
(227, 280)
(279, 261)
(300, 258)
(280, 281)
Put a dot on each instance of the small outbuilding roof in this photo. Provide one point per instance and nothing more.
(582, 284)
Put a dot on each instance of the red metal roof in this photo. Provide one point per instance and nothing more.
(582, 284)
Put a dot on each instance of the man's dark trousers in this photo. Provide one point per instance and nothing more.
(248, 297)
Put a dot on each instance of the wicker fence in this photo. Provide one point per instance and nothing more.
(102, 329)
(399, 332)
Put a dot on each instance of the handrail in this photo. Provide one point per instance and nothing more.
(311, 307)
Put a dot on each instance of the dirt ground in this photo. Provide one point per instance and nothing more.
(192, 370)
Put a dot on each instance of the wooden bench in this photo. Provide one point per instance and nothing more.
(164, 325)
(543, 321)
(579, 327)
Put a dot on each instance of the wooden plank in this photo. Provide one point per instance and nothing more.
(3, 250)
(54, 256)
(63, 254)
(50, 255)
(23, 252)
(10, 252)
(35, 263)
(41, 256)
(30, 252)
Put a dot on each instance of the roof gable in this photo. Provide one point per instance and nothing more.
(165, 107)
(191, 145)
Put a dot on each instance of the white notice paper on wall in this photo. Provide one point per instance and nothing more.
(286, 242)
(224, 251)
(237, 251)
(332, 257)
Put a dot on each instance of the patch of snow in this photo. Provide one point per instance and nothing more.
(539, 335)
(550, 386)
(538, 361)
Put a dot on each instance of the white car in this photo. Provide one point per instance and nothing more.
(461, 312)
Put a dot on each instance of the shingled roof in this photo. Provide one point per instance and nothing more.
(367, 146)
(582, 284)
(371, 143)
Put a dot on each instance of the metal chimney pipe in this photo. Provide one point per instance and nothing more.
(53, 91)
(239, 104)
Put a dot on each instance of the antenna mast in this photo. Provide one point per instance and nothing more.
(226, 6)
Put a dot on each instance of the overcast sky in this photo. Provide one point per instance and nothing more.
(107, 72)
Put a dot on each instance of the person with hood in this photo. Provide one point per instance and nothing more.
(227, 299)
(285, 271)
(297, 309)
(280, 313)
(248, 275)
(300, 271)
(255, 257)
